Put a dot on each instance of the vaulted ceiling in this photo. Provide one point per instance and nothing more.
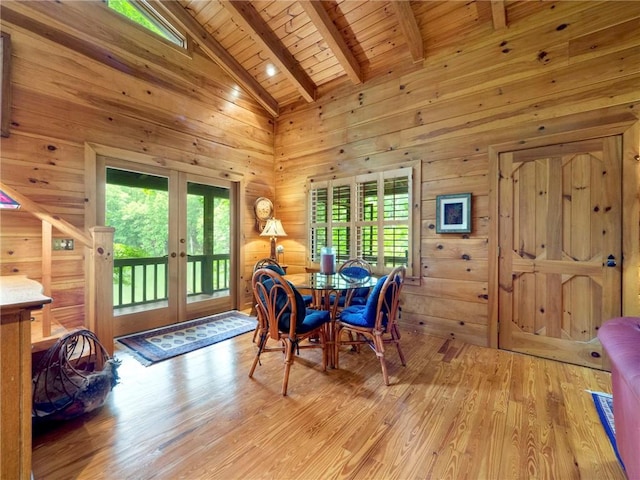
(282, 52)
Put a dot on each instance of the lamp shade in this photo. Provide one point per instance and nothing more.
(273, 228)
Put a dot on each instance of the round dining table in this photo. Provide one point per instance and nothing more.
(326, 291)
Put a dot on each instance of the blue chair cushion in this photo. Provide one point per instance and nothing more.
(308, 299)
(276, 269)
(341, 300)
(312, 320)
(359, 300)
(364, 315)
(371, 307)
(357, 273)
(353, 315)
(359, 297)
(307, 318)
(361, 293)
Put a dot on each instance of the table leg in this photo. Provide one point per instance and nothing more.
(331, 326)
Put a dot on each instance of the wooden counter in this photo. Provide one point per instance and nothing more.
(18, 297)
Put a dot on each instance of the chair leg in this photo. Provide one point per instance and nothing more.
(263, 341)
(395, 334)
(288, 360)
(378, 343)
(254, 311)
(255, 364)
(327, 338)
(336, 348)
(383, 364)
(404, 362)
(325, 350)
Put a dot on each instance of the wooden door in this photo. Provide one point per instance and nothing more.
(560, 248)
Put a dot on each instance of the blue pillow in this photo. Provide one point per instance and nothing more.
(353, 315)
(357, 273)
(301, 307)
(361, 292)
(371, 307)
(312, 320)
(281, 301)
(276, 268)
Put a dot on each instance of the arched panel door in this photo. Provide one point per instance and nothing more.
(560, 266)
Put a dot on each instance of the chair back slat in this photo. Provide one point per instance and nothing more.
(269, 263)
(389, 299)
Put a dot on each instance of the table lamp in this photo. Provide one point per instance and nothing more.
(273, 229)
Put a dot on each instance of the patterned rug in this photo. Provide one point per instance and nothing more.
(160, 344)
(604, 407)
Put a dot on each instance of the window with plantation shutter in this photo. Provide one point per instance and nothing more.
(367, 216)
(319, 215)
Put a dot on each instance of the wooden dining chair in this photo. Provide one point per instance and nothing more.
(375, 323)
(284, 319)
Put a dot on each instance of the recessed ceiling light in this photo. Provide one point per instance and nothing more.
(271, 70)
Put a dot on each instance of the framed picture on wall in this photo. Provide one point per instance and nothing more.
(453, 213)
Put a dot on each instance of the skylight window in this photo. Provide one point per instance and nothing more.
(144, 14)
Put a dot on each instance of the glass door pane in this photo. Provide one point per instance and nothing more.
(208, 244)
(138, 208)
(137, 205)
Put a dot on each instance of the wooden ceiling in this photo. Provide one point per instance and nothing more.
(316, 44)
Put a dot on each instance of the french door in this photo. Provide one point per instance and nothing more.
(173, 243)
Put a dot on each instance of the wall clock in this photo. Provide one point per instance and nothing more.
(263, 210)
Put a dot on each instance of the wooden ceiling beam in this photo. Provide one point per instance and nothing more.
(330, 33)
(218, 54)
(248, 18)
(409, 27)
(498, 14)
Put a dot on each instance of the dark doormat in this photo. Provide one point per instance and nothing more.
(160, 344)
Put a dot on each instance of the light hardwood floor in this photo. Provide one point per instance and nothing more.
(456, 411)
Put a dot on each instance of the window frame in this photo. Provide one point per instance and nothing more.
(411, 173)
(159, 19)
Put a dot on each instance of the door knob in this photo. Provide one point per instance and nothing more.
(173, 254)
(182, 254)
(611, 261)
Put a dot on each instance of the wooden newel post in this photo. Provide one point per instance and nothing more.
(100, 300)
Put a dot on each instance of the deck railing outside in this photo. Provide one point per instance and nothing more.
(137, 281)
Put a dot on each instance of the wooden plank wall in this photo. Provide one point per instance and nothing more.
(73, 83)
(568, 66)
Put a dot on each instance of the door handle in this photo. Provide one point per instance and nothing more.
(173, 254)
(182, 254)
(611, 261)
